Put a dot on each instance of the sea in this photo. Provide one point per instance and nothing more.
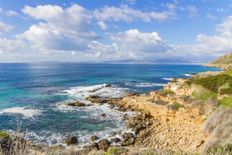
(34, 96)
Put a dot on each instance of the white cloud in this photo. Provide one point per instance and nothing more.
(130, 45)
(63, 29)
(102, 25)
(5, 27)
(126, 14)
(11, 13)
(44, 12)
(67, 34)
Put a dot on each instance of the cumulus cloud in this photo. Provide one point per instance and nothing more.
(44, 12)
(126, 14)
(131, 45)
(60, 29)
(71, 34)
(5, 27)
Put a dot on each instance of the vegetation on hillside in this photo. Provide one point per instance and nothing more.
(226, 59)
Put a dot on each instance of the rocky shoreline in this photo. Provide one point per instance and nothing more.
(169, 121)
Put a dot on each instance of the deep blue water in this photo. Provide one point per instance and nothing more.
(39, 88)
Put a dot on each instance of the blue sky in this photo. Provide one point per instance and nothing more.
(192, 31)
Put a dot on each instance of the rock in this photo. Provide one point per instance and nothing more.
(94, 137)
(77, 104)
(113, 133)
(125, 117)
(115, 140)
(96, 99)
(104, 144)
(103, 115)
(130, 123)
(93, 146)
(71, 140)
(128, 139)
(108, 85)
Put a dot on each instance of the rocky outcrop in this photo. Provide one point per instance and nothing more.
(104, 144)
(71, 140)
(76, 104)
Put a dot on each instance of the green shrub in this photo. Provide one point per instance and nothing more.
(167, 91)
(4, 134)
(175, 106)
(226, 102)
(221, 150)
(213, 83)
(114, 151)
(201, 93)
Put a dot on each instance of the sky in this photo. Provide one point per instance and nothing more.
(143, 31)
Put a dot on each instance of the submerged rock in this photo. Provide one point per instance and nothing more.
(76, 104)
(71, 140)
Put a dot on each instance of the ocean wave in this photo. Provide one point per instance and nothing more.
(103, 90)
(26, 112)
(189, 75)
(168, 79)
(147, 84)
(51, 138)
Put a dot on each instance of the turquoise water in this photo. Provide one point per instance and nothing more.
(36, 93)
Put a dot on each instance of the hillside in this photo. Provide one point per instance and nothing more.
(224, 62)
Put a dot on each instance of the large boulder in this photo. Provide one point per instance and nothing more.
(104, 144)
(71, 140)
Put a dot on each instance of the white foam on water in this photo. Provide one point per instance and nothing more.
(103, 90)
(189, 75)
(147, 84)
(26, 112)
(168, 79)
(95, 111)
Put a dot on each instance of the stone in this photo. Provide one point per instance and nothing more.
(103, 115)
(93, 146)
(128, 139)
(104, 144)
(125, 117)
(96, 99)
(113, 133)
(116, 140)
(94, 138)
(77, 104)
(71, 140)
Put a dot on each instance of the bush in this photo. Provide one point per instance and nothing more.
(221, 150)
(114, 151)
(226, 102)
(213, 83)
(167, 91)
(175, 106)
(203, 94)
